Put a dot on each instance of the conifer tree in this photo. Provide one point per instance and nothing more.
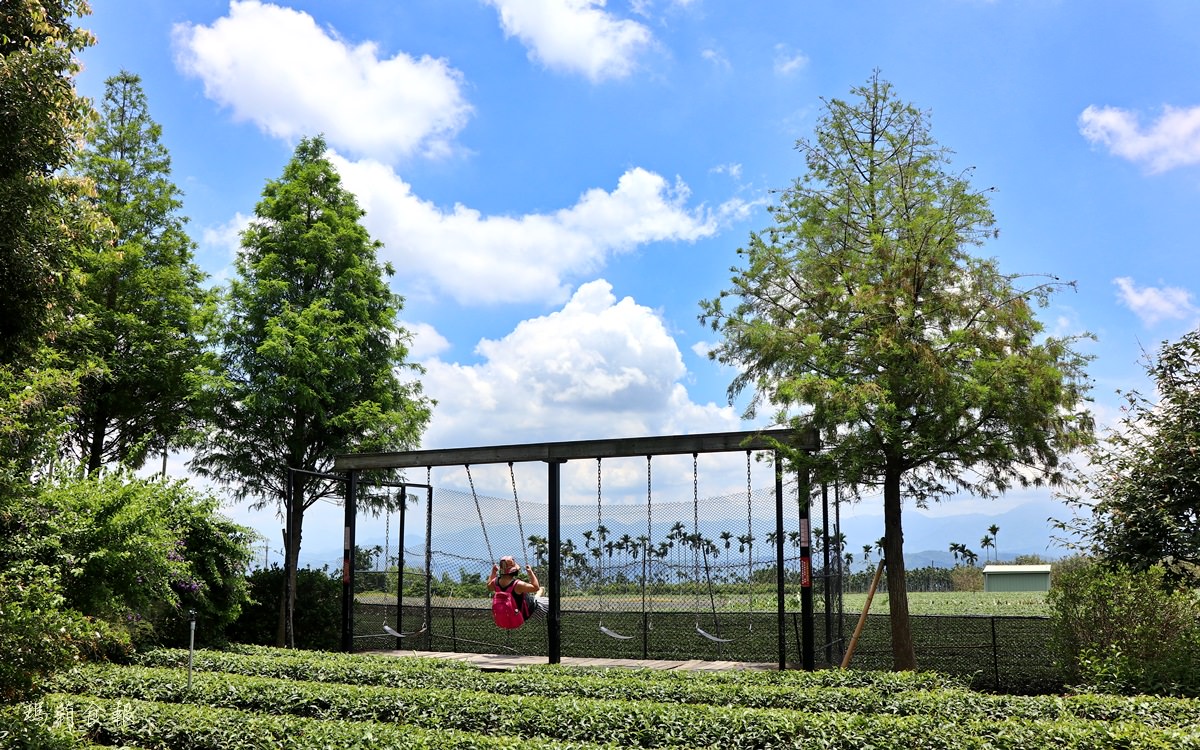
(141, 307)
(311, 350)
(863, 313)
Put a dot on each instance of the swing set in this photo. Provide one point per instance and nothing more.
(554, 456)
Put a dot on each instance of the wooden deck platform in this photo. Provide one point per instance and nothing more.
(503, 662)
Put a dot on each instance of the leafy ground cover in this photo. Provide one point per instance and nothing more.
(260, 698)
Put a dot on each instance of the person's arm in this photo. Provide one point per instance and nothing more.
(491, 583)
(533, 578)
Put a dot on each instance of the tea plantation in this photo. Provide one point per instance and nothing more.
(267, 698)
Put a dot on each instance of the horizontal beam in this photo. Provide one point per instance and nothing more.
(714, 442)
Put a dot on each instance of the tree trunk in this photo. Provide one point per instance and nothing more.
(904, 658)
(95, 449)
(294, 513)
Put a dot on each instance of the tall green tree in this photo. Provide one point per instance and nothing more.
(142, 307)
(312, 349)
(862, 312)
(1139, 501)
(42, 122)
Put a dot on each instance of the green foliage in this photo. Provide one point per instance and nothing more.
(1119, 630)
(311, 347)
(863, 314)
(667, 709)
(141, 306)
(140, 553)
(17, 731)
(318, 618)
(966, 578)
(1140, 496)
(43, 219)
(144, 724)
(40, 636)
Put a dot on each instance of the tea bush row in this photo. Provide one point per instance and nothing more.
(634, 723)
(381, 670)
(817, 696)
(199, 727)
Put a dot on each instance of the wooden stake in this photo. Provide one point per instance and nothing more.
(862, 619)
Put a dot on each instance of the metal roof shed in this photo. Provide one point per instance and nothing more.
(1016, 578)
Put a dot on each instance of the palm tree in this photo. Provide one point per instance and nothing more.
(993, 530)
(727, 537)
(985, 543)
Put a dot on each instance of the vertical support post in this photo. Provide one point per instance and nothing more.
(427, 615)
(554, 489)
(780, 601)
(828, 576)
(348, 562)
(804, 497)
(399, 563)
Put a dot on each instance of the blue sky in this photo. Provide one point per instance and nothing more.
(559, 183)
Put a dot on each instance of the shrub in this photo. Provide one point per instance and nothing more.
(39, 637)
(317, 620)
(1122, 631)
(966, 578)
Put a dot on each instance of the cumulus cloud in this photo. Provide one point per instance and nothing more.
(597, 367)
(480, 259)
(575, 36)
(426, 343)
(277, 68)
(1155, 304)
(1173, 140)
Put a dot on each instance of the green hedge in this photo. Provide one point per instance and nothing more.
(382, 670)
(899, 693)
(151, 724)
(847, 718)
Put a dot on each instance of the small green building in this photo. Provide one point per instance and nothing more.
(1016, 578)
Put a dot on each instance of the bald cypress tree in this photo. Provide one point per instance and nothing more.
(311, 349)
(141, 308)
(863, 313)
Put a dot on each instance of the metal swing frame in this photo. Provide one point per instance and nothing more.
(554, 455)
(427, 610)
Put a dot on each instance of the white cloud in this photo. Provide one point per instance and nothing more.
(716, 57)
(481, 259)
(576, 36)
(277, 68)
(788, 61)
(1154, 304)
(732, 169)
(426, 344)
(225, 239)
(1171, 141)
(597, 367)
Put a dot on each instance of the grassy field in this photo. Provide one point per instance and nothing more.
(1016, 604)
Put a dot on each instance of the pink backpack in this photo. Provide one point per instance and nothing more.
(505, 611)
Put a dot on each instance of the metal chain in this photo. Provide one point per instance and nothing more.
(520, 529)
(479, 510)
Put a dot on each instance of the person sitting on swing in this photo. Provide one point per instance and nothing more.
(527, 595)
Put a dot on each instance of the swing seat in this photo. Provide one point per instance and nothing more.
(614, 634)
(711, 637)
(390, 631)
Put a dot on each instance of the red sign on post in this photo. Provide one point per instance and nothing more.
(806, 572)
